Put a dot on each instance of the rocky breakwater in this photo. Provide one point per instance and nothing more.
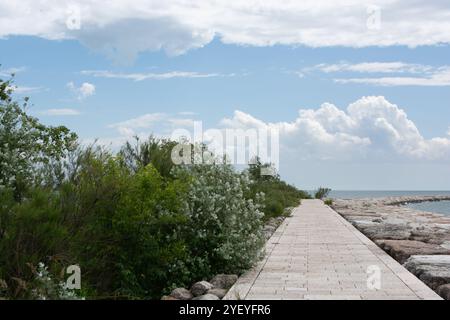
(419, 240)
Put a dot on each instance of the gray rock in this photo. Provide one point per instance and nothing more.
(181, 294)
(401, 250)
(446, 245)
(380, 231)
(200, 288)
(218, 292)
(224, 281)
(168, 298)
(207, 296)
(444, 291)
(434, 270)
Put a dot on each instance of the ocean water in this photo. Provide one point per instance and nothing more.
(437, 206)
(341, 194)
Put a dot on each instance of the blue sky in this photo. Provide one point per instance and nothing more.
(73, 80)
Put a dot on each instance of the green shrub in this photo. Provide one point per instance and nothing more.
(135, 225)
(322, 193)
(225, 228)
(26, 145)
(128, 242)
(328, 202)
(278, 195)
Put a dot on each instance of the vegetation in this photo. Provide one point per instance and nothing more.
(322, 193)
(278, 195)
(136, 225)
(328, 202)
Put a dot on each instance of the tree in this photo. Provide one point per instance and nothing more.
(26, 145)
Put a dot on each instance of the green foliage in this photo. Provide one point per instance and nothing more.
(322, 193)
(26, 145)
(136, 225)
(154, 151)
(329, 202)
(225, 228)
(47, 287)
(278, 195)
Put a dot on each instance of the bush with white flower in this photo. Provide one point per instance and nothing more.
(45, 287)
(225, 226)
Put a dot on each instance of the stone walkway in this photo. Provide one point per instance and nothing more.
(316, 254)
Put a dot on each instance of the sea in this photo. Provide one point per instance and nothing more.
(442, 207)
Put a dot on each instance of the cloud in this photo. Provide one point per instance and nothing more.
(146, 76)
(26, 90)
(187, 113)
(401, 73)
(85, 90)
(370, 128)
(14, 70)
(438, 79)
(60, 112)
(161, 124)
(373, 67)
(124, 29)
(129, 127)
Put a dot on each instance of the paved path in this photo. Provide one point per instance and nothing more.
(317, 254)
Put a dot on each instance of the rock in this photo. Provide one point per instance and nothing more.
(181, 294)
(224, 281)
(444, 291)
(207, 296)
(380, 231)
(218, 292)
(433, 270)
(168, 298)
(200, 288)
(446, 245)
(401, 250)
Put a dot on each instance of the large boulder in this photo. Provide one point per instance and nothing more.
(390, 231)
(207, 296)
(433, 270)
(224, 281)
(200, 288)
(444, 291)
(218, 292)
(401, 250)
(181, 294)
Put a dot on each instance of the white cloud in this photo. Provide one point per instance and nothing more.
(129, 127)
(122, 29)
(371, 128)
(187, 113)
(437, 79)
(26, 90)
(411, 74)
(181, 123)
(85, 90)
(60, 112)
(14, 70)
(146, 76)
(373, 67)
(161, 124)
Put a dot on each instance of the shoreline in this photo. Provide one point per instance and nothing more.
(419, 240)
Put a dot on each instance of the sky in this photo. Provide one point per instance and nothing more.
(359, 91)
